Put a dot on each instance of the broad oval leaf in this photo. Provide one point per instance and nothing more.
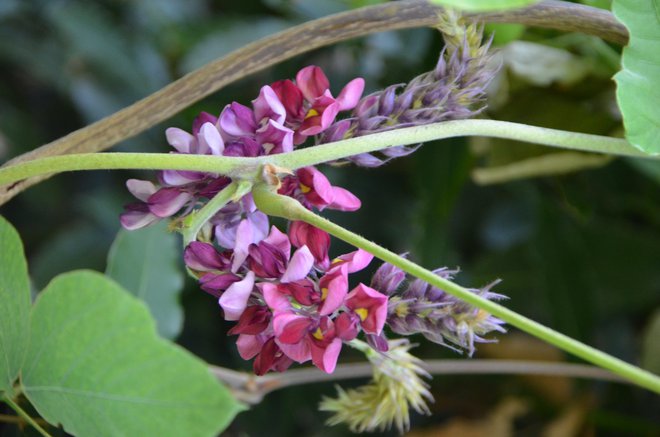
(484, 5)
(147, 263)
(14, 305)
(96, 365)
(638, 82)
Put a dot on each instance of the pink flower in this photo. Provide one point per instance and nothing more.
(234, 300)
(314, 86)
(317, 240)
(313, 189)
(370, 306)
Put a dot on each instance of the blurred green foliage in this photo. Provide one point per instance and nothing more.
(578, 252)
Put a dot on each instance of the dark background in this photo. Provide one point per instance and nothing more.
(579, 252)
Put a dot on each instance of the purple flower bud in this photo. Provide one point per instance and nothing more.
(387, 278)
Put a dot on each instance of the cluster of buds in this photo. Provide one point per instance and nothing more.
(416, 307)
(455, 89)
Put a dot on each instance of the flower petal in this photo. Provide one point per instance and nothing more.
(350, 96)
(326, 358)
(181, 140)
(268, 105)
(312, 82)
(344, 200)
(299, 266)
(244, 236)
(167, 201)
(234, 300)
(210, 139)
(141, 189)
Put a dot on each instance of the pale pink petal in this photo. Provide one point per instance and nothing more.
(259, 222)
(181, 140)
(299, 266)
(268, 105)
(244, 236)
(350, 96)
(355, 261)
(234, 300)
(210, 139)
(175, 178)
(141, 189)
(344, 200)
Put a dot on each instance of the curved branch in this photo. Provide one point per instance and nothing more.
(250, 388)
(274, 49)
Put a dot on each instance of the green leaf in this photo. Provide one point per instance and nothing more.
(146, 263)
(651, 345)
(14, 305)
(484, 5)
(638, 83)
(96, 365)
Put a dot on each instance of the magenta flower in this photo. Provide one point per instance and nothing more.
(370, 306)
(317, 240)
(315, 88)
(313, 189)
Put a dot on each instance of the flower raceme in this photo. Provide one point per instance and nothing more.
(284, 114)
(290, 302)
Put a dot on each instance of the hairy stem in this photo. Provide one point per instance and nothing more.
(289, 208)
(274, 49)
(195, 221)
(251, 388)
(26, 417)
(247, 168)
(456, 128)
(225, 165)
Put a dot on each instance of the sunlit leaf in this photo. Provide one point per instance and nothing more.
(96, 365)
(484, 5)
(638, 83)
(14, 305)
(147, 263)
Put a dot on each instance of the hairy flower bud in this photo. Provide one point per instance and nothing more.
(454, 89)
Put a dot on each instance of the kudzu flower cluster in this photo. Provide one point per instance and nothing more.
(291, 300)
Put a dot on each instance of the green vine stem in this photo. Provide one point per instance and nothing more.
(247, 168)
(26, 416)
(195, 221)
(281, 206)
